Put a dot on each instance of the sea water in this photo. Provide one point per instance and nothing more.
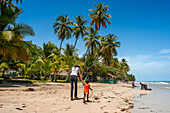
(156, 102)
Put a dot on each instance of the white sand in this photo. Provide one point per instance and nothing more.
(55, 98)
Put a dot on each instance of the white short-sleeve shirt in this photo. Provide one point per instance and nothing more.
(74, 71)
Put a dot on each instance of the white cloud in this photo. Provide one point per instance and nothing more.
(149, 67)
(164, 51)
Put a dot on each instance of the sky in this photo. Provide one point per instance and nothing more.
(142, 27)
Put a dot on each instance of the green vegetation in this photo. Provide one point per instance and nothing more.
(31, 61)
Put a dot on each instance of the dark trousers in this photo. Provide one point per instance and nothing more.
(73, 80)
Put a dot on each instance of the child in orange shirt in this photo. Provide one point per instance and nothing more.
(86, 91)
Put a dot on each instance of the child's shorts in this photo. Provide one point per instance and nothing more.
(86, 93)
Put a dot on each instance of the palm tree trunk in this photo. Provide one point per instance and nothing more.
(3, 75)
(88, 48)
(92, 49)
(60, 48)
(92, 65)
(45, 76)
(75, 43)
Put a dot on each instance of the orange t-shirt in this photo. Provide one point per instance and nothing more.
(86, 88)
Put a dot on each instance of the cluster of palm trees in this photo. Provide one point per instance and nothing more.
(30, 59)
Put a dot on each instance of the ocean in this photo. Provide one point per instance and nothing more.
(156, 102)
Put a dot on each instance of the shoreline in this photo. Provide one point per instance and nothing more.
(55, 97)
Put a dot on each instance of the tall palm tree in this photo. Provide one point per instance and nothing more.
(12, 0)
(99, 16)
(80, 28)
(92, 39)
(62, 29)
(109, 44)
(12, 33)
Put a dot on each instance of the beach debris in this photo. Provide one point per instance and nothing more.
(18, 108)
(123, 109)
(23, 106)
(1, 105)
(143, 108)
(126, 100)
(131, 107)
(29, 89)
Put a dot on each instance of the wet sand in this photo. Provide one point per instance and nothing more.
(55, 98)
(156, 102)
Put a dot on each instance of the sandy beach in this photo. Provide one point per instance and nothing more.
(55, 98)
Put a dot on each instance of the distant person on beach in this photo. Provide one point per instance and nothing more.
(144, 86)
(133, 84)
(74, 73)
(86, 91)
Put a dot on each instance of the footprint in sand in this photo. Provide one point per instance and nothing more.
(96, 98)
(102, 107)
(105, 97)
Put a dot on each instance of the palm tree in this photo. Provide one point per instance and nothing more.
(99, 16)
(4, 66)
(12, 0)
(91, 43)
(12, 33)
(108, 50)
(43, 66)
(80, 28)
(50, 49)
(124, 66)
(115, 63)
(62, 29)
(92, 39)
(69, 55)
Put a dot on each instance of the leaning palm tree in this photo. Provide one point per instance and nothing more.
(80, 28)
(91, 43)
(99, 16)
(92, 39)
(109, 44)
(62, 29)
(12, 33)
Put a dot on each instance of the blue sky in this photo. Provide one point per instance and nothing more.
(142, 27)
